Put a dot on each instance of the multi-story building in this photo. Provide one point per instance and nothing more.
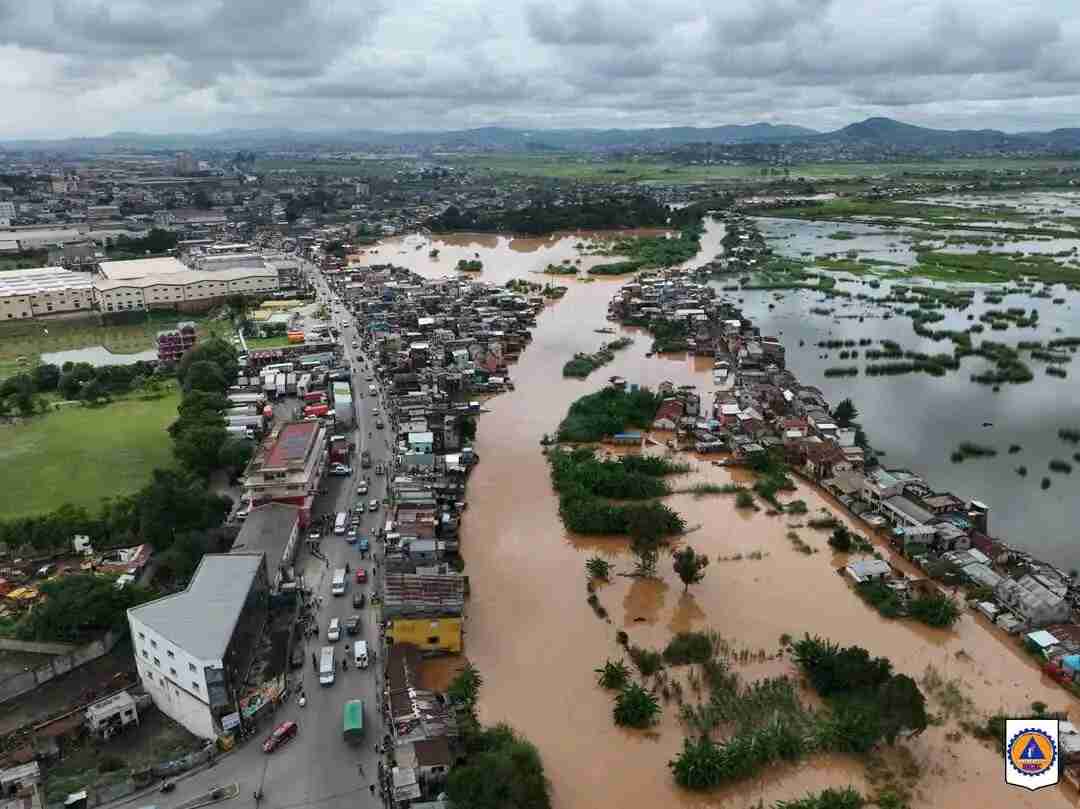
(287, 467)
(165, 283)
(194, 648)
(172, 344)
(50, 290)
(7, 213)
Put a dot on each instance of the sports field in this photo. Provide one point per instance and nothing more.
(81, 454)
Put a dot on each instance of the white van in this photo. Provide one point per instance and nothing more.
(360, 655)
(337, 586)
(372, 390)
(327, 669)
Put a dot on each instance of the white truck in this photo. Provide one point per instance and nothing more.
(337, 586)
(326, 666)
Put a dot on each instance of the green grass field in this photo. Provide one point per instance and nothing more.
(80, 454)
(585, 168)
(26, 338)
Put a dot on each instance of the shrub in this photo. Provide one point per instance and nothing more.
(744, 499)
(840, 539)
(635, 707)
(688, 647)
(647, 661)
(613, 674)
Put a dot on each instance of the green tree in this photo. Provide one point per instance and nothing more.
(902, 706)
(845, 412)
(465, 687)
(235, 454)
(198, 447)
(178, 563)
(635, 707)
(93, 391)
(215, 350)
(690, 566)
(502, 771)
(840, 539)
(647, 528)
(79, 607)
(46, 377)
(205, 376)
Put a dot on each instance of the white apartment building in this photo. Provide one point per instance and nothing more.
(193, 648)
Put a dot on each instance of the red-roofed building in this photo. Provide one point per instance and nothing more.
(669, 414)
(287, 468)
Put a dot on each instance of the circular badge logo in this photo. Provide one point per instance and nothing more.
(1032, 752)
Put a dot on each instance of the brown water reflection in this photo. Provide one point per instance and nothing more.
(536, 641)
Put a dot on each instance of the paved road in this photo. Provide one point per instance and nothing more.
(317, 769)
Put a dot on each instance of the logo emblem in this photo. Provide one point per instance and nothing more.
(1031, 752)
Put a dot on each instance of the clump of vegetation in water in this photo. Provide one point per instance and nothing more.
(635, 707)
(1069, 434)
(867, 703)
(647, 661)
(613, 674)
(470, 265)
(968, 449)
(690, 647)
(1060, 466)
(608, 412)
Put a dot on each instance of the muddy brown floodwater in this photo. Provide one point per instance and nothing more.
(536, 641)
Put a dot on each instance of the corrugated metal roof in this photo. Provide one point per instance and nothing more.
(200, 620)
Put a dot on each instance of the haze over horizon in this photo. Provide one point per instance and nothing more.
(91, 67)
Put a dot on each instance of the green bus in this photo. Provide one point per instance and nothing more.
(354, 720)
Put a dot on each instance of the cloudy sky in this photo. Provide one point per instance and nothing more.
(83, 67)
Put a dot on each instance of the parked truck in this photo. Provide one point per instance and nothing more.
(327, 669)
(255, 422)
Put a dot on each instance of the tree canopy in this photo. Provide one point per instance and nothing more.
(689, 566)
(79, 607)
(502, 771)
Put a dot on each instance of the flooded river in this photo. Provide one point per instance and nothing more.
(536, 641)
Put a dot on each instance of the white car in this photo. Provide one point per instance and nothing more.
(362, 488)
(373, 505)
(333, 632)
(341, 469)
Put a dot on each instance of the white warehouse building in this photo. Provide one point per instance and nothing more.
(193, 648)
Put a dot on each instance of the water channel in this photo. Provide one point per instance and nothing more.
(536, 641)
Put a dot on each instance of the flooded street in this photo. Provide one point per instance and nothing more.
(536, 641)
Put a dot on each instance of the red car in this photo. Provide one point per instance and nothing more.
(361, 575)
(282, 733)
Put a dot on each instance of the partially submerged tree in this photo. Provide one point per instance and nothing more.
(690, 566)
(845, 412)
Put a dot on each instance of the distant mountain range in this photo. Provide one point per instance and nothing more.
(872, 133)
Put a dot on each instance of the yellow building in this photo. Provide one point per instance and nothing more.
(427, 634)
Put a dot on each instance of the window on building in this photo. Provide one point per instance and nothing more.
(153, 643)
(432, 640)
(142, 636)
(157, 662)
(172, 671)
(195, 685)
(170, 653)
(146, 654)
(191, 667)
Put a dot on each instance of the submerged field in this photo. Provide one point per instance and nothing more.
(23, 342)
(81, 454)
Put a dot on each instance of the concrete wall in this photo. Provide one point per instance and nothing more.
(74, 657)
(9, 645)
